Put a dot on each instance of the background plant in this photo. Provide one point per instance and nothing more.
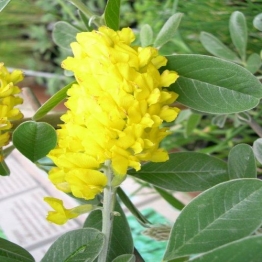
(227, 215)
(210, 16)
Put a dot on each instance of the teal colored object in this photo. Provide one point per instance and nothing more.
(149, 249)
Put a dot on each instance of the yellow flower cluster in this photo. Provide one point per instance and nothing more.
(116, 110)
(8, 101)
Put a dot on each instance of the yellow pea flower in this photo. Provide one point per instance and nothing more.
(8, 101)
(115, 111)
(61, 215)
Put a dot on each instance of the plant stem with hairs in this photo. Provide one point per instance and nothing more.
(108, 211)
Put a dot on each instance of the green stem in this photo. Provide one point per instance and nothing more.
(68, 10)
(107, 212)
(85, 10)
(128, 203)
(255, 126)
(83, 209)
(52, 119)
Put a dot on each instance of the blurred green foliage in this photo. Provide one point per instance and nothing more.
(212, 16)
(29, 43)
(207, 136)
(15, 45)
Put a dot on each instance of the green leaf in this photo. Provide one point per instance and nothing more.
(212, 85)
(112, 13)
(77, 245)
(244, 117)
(214, 46)
(180, 259)
(257, 22)
(184, 171)
(219, 120)
(34, 139)
(241, 162)
(253, 63)
(183, 115)
(146, 35)
(10, 252)
(57, 98)
(220, 215)
(125, 258)
(94, 220)
(257, 148)
(131, 207)
(8, 150)
(192, 123)
(3, 4)
(121, 241)
(64, 34)
(168, 30)
(243, 250)
(170, 198)
(238, 32)
(84, 19)
(4, 170)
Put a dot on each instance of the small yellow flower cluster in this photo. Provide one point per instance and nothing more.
(60, 215)
(8, 101)
(116, 110)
